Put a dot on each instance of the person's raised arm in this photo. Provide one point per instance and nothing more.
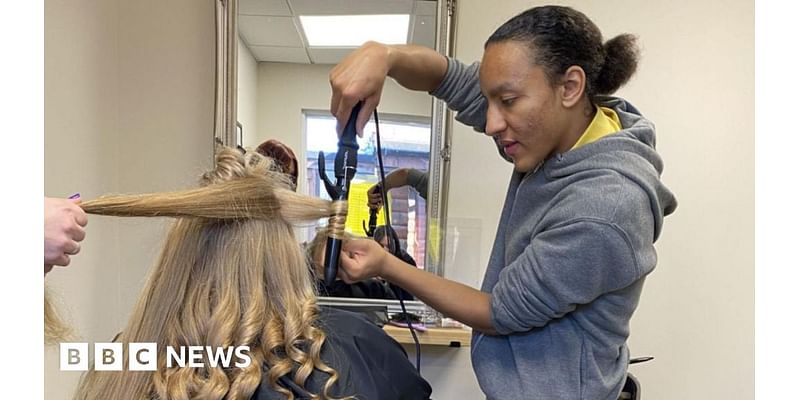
(395, 179)
(361, 75)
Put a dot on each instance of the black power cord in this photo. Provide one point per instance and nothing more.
(393, 247)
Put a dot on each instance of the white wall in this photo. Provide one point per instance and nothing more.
(129, 101)
(285, 90)
(695, 81)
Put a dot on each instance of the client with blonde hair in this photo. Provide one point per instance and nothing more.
(232, 274)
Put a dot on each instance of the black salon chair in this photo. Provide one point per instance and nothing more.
(632, 390)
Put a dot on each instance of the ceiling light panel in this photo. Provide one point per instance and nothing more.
(354, 30)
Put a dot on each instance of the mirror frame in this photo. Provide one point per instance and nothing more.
(225, 85)
(441, 145)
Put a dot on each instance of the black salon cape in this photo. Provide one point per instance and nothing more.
(372, 288)
(371, 365)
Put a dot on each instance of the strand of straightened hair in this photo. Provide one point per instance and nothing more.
(245, 197)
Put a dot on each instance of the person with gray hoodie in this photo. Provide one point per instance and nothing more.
(584, 206)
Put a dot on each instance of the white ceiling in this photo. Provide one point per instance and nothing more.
(271, 28)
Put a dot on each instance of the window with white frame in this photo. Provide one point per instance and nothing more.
(405, 141)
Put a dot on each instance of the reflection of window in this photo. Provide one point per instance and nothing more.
(406, 143)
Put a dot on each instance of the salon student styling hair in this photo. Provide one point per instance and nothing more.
(232, 274)
(584, 207)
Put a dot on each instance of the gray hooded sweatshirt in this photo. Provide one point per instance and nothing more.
(573, 247)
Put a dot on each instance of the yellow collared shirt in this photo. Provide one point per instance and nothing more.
(605, 122)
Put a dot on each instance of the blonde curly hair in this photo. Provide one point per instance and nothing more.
(230, 274)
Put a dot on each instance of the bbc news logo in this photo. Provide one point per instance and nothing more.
(144, 356)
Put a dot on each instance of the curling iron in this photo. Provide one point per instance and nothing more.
(344, 169)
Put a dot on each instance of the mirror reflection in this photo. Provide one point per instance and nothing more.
(284, 95)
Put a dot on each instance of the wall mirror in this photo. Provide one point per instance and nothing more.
(283, 93)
